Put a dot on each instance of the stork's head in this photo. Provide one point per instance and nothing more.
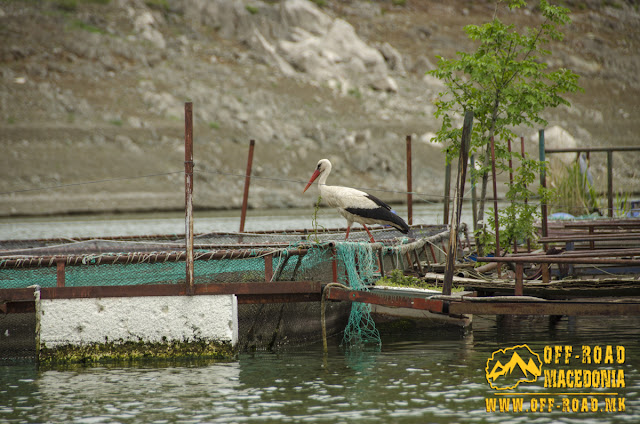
(323, 167)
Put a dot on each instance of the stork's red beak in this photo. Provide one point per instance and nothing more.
(313, 178)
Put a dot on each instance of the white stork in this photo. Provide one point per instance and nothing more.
(355, 205)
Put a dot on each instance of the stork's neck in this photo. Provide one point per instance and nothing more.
(322, 179)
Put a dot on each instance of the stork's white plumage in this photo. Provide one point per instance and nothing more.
(355, 205)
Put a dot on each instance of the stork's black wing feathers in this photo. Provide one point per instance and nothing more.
(378, 202)
(382, 212)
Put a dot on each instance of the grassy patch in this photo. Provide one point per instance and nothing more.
(573, 193)
(398, 279)
(72, 5)
(355, 92)
(161, 5)
(81, 25)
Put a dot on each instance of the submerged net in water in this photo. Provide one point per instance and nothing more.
(360, 265)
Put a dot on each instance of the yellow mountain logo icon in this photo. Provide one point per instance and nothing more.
(508, 367)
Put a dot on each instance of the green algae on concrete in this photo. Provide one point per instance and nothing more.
(129, 351)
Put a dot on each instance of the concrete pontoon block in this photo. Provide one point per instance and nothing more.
(145, 319)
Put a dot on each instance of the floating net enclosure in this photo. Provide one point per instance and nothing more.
(233, 258)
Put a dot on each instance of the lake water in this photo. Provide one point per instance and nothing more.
(204, 222)
(432, 376)
(429, 376)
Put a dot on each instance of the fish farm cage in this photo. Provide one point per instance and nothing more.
(240, 262)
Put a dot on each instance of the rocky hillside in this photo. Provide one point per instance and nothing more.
(94, 90)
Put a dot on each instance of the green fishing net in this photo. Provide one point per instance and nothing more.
(359, 262)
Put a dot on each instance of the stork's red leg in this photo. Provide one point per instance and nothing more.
(348, 229)
(368, 232)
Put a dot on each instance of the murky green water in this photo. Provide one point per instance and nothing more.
(434, 376)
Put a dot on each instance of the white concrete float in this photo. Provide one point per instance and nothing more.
(138, 319)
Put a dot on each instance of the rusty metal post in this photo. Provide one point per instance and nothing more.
(188, 192)
(334, 265)
(409, 183)
(457, 205)
(610, 182)
(426, 255)
(515, 241)
(417, 257)
(247, 183)
(60, 272)
(433, 253)
(495, 199)
(381, 262)
(526, 199)
(268, 268)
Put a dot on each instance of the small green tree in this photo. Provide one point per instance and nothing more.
(507, 84)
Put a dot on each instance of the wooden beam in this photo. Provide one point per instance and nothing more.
(397, 301)
(545, 308)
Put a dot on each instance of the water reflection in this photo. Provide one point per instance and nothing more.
(134, 394)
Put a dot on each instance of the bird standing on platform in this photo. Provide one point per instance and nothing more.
(355, 205)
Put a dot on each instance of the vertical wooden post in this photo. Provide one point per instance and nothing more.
(510, 162)
(409, 183)
(495, 199)
(247, 183)
(610, 182)
(457, 205)
(519, 288)
(188, 191)
(447, 191)
(543, 183)
(546, 276)
(474, 194)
